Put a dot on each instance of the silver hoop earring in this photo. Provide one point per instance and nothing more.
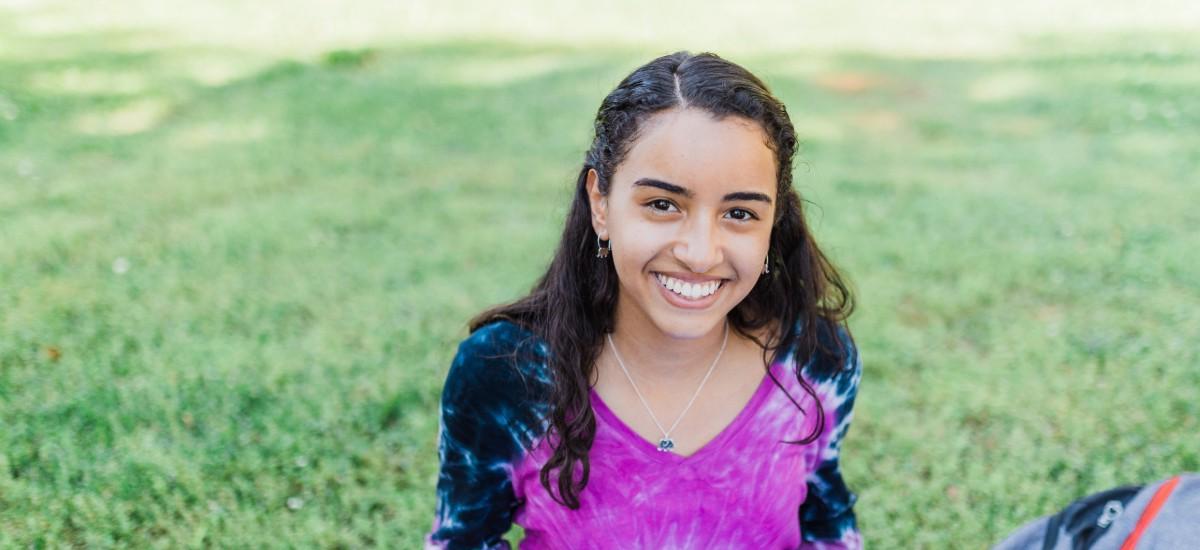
(767, 266)
(602, 248)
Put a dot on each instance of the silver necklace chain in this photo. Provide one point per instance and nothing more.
(666, 443)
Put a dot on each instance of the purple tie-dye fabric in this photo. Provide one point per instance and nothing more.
(743, 489)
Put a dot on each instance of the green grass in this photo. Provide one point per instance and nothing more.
(233, 271)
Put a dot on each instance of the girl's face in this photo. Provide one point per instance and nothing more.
(688, 217)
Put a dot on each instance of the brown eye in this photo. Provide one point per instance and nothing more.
(742, 215)
(660, 205)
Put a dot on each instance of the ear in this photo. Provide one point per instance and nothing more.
(599, 204)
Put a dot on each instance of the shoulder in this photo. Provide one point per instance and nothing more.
(499, 362)
(500, 339)
(835, 361)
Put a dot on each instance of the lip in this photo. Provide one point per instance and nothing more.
(689, 277)
(686, 303)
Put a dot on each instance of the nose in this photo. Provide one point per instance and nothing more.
(699, 246)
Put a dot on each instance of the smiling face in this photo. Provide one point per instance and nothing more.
(688, 216)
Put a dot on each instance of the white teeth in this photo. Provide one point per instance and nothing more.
(689, 290)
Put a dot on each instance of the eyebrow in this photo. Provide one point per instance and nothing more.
(680, 190)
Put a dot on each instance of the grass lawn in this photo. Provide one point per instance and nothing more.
(237, 249)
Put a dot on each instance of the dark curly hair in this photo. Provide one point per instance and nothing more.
(572, 306)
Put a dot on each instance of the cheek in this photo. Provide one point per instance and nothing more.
(635, 244)
(747, 254)
(631, 256)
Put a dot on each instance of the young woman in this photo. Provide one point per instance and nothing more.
(685, 356)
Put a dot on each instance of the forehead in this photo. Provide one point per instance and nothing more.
(689, 147)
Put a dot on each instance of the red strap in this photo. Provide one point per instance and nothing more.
(1160, 496)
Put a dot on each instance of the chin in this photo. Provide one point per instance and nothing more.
(689, 327)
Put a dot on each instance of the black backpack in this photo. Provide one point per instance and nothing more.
(1161, 515)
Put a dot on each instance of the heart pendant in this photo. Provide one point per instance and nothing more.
(665, 444)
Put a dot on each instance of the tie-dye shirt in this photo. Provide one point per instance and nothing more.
(743, 489)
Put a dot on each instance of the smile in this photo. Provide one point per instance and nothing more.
(690, 291)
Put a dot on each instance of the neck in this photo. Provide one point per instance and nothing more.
(653, 355)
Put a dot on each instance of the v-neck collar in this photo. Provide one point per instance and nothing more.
(714, 445)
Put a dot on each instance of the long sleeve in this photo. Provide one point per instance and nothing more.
(827, 514)
(486, 419)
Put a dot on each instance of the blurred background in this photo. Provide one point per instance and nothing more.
(239, 242)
